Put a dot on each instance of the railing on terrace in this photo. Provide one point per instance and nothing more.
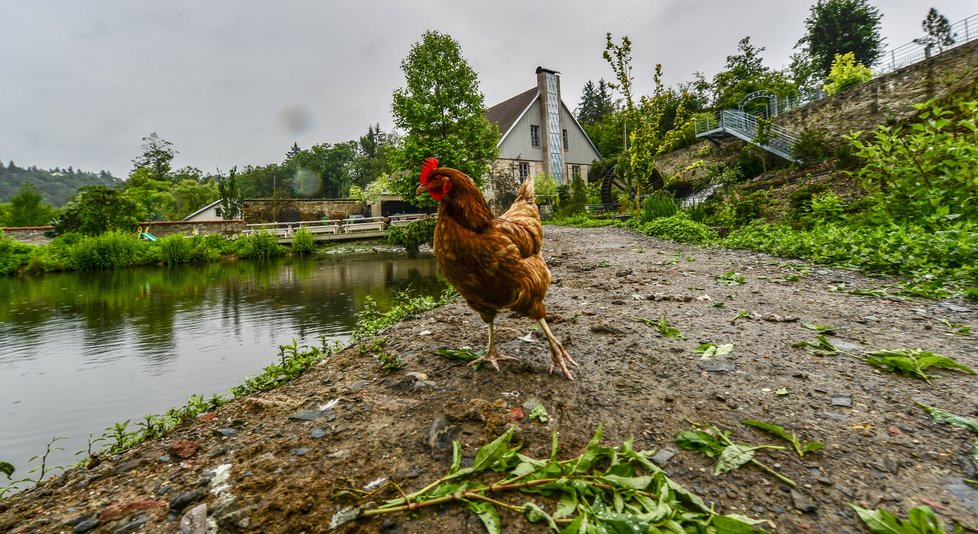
(334, 226)
(778, 140)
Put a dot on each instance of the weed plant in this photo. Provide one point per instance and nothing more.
(303, 243)
(259, 245)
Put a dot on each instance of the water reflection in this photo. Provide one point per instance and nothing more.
(80, 351)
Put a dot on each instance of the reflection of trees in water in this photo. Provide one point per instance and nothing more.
(302, 298)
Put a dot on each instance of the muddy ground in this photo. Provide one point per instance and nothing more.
(272, 462)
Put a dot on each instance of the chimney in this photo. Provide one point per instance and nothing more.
(548, 83)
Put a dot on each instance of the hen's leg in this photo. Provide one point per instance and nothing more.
(560, 356)
(492, 355)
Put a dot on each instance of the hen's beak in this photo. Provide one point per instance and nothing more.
(423, 188)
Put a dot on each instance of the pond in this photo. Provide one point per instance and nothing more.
(82, 351)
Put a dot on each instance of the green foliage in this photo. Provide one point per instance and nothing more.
(664, 328)
(680, 228)
(827, 208)
(111, 250)
(940, 260)
(924, 173)
(604, 489)
(812, 146)
(56, 185)
(227, 189)
(574, 200)
(920, 521)
(711, 441)
(413, 235)
(442, 113)
(545, 189)
(950, 418)
(190, 195)
(13, 255)
(27, 208)
(800, 448)
(658, 205)
(303, 243)
(913, 362)
(96, 209)
(837, 27)
(745, 73)
(372, 321)
(581, 220)
(259, 245)
(156, 158)
(845, 73)
(938, 32)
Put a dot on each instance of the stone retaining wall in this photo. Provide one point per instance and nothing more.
(167, 228)
(293, 210)
(32, 235)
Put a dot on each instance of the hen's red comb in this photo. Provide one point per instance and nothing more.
(429, 165)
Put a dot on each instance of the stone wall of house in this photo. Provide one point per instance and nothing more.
(167, 228)
(32, 235)
(889, 98)
(255, 211)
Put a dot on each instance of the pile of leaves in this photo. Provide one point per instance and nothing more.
(604, 489)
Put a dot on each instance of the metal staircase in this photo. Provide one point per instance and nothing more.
(743, 125)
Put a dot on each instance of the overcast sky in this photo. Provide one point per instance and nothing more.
(236, 82)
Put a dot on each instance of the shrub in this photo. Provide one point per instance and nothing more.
(110, 250)
(175, 249)
(658, 205)
(846, 72)
(412, 236)
(303, 243)
(811, 146)
(680, 228)
(259, 245)
(13, 254)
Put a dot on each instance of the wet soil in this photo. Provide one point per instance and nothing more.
(272, 462)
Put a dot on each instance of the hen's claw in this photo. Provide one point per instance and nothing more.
(491, 357)
(560, 357)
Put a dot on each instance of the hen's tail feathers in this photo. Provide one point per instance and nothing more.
(526, 192)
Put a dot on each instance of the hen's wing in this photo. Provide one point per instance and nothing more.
(521, 222)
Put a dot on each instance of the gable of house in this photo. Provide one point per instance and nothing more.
(529, 129)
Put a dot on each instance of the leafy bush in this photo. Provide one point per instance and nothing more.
(13, 254)
(680, 228)
(175, 249)
(925, 174)
(827, 207)
(811, 146)
(658, 205)
(259, 245)
(938, 263)
(111, 250)
(846, 72)
(303, 243)
(412, 236)
(581, 220)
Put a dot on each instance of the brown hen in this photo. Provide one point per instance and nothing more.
(493, 262)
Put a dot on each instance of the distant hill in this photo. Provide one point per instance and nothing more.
(56, 185)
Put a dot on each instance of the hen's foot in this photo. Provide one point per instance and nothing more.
(560, 357)
(493, 357)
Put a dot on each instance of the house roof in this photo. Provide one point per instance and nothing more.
(201, 210)
(505, 114)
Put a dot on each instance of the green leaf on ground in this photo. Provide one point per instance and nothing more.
(539, 413)
(709, 350)
(488, 514)
(913, 362)
(800, 448)
(921, 520)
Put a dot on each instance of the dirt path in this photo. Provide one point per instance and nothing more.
(271, 463)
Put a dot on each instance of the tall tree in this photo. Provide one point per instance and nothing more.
(938, 32)
(596, 102)
(837, 27)
(230, 196)
(442, 114)
(156, 157)
(28, 209)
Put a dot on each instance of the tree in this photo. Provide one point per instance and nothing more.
(230, 196)
(744, 74)
(156, 157)
(371, 160)
(28, 209)
(938, 30)
(845, 73)
(95, 209)
(153, 197)
(190, 195)
(596, 102)
(442, 114)
(836, 27)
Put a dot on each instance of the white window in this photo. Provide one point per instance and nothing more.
(566, 144)
(534, 135)
(575, 171)
(524, 170)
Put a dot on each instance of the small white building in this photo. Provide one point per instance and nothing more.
(539, 134)
(210, 212)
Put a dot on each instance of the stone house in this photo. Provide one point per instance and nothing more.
(539, 134)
